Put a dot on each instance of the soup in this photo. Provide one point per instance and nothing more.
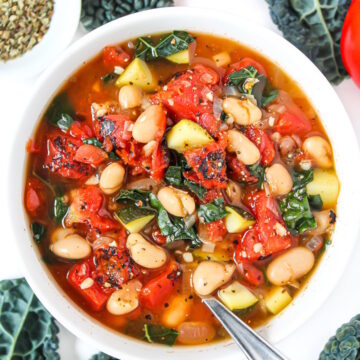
(175, 167)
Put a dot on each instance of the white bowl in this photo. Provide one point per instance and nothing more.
(63, 25)
(324, 100)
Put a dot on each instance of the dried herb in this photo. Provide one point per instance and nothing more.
(22, 25)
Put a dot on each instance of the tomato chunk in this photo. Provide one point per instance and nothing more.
(93, 294)
(114, 266)
(251, 273)
(59, 160)
(35, 196)
(269, 235)
(90, 154)
(159, 289)
(216, 230)
(263, 142)
(190, 95)
(115, 56)
(238, 171)
(80, 130)
(289, 123)
(208, 165)
(87, 208)
(114, 131)
(158, 237)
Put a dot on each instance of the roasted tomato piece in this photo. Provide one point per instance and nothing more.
(263, 142)
(244, 63)
(190, 95)
(90, 154)
(35, 196)
(269, 235)
(208, 165)
(80, 131)
(216, 230)
(113, 266)
(59, 160)
(157, 237)
(154, 294)
(251, 273)
(92, 292)
(289, 123)
(115, 56)
(238, 171)
(87, 208)
(114, 131)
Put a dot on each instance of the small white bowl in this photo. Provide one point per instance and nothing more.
(63, 25)
(325, 102)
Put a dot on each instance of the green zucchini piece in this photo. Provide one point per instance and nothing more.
(134, 218)
(237, 296)
(277, 299)
(181, 57)
(238, 220)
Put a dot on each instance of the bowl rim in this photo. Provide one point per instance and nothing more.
(74, 318)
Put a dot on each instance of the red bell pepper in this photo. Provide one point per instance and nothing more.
(350, 42)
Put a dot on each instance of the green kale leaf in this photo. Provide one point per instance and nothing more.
(295, 209)
(168, 45)
(173, 175)
(28, 331)
(213, 211)
(60, 209)
(38, 230)
(301, 178)
(134, 195)
(314, 27)
(160, 334)
(173, 227)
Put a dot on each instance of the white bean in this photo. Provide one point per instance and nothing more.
(290, 266)
(210, 275)
(112, 178)
(124, 300)
(246, 151)
(147, 125)
(286, 145)
(243, 111)
(130, 96)
(195, 332)
(68, 245)
(144, 252)
(319, 150)
(279, 179)
(176, 202)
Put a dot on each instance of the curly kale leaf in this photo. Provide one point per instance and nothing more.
(346, 342)
(27, 330)
(314, 27)
(102, 356)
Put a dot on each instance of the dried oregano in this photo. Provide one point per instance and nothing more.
(23, 23)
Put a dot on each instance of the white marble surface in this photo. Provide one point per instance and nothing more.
(304, 343)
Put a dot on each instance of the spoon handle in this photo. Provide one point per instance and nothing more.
(253, 345)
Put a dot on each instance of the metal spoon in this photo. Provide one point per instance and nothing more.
(252, 345)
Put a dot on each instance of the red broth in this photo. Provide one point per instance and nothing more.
(168, 293)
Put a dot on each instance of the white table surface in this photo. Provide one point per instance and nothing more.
(307, 341)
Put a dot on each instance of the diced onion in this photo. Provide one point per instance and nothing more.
(217, 107)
